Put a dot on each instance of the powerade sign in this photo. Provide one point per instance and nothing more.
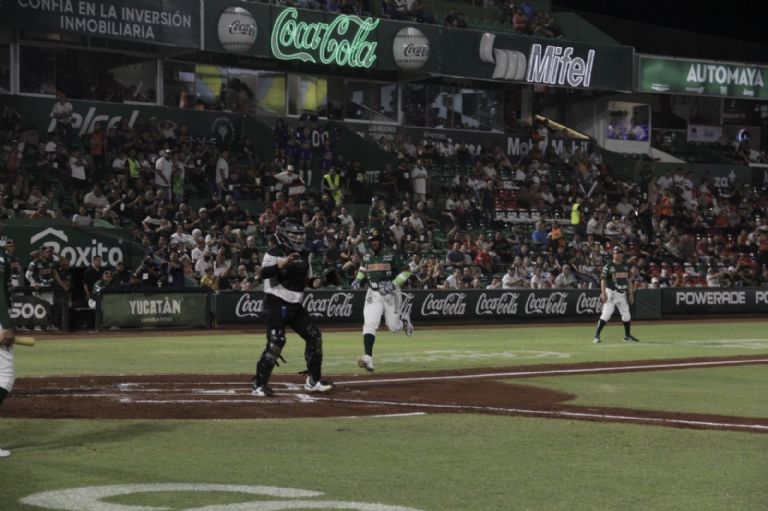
(714, 300)
(697, 77)
(166, 22)
(432, 306)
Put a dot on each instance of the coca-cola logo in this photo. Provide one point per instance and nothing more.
(451, 304)
(503, 304)
(238, 27)
(338, 305)
(551, 304)
(248, 306)
(406, 303)
(586, 303)
(416, 50)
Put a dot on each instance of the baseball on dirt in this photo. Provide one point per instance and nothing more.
(410, 48)
(237, 29)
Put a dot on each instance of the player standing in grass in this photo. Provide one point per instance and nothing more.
(7, 372)
(616, 290)
(379, 266)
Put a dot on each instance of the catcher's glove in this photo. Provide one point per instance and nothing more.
(386, 288)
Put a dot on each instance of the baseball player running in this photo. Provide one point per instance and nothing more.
(7, 372)
(286, 272)
(616, 290)
(383, 296)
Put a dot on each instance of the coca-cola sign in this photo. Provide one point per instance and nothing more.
(551, 304)
(337, 305)
(588, 304)
(504, 304)
(425, 306)
(451, 304)
(249, 306)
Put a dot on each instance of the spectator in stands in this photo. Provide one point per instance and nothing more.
(82, 218)
(163, 173)
(95, 199)
(455, 19)
(62, 112)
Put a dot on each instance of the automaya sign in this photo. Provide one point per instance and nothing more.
(681, 76)
(345, 41)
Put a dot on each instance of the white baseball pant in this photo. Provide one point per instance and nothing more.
(616, 299)
(375, 305)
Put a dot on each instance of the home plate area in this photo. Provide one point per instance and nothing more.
(461, 391)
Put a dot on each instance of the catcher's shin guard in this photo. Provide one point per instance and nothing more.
(313, 353)
(269, 357)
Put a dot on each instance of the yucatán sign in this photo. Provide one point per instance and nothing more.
(149, 308)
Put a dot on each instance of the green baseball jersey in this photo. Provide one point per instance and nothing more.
(5, 291)
(42, 271)
(616, 276)
(385, 265)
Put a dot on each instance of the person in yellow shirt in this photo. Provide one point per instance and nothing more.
(332, 185)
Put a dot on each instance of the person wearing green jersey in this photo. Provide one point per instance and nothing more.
(7, 371)
(616, 290)
(386, 273)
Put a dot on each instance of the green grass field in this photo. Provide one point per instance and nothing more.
(425, 462)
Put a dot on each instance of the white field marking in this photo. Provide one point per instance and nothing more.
(561, 414)
(255, 399)
(551, 372)
(750, 344)
(451, 355)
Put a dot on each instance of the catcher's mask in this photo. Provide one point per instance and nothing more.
(291, 234)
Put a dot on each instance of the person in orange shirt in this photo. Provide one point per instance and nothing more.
(555, 237)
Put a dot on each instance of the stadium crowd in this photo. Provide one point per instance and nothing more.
(465, 216)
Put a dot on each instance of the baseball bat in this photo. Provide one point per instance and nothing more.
(25, 340)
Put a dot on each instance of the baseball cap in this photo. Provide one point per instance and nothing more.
(618, 249)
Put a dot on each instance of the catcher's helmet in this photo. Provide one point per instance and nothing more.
(291, 234)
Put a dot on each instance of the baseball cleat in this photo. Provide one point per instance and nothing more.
(366, 362)
(317, 386)
(407, 326)
(631, 338)
(262, 391)
(4, 453)
(596, 340)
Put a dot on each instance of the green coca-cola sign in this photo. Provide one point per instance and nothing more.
(345, 41)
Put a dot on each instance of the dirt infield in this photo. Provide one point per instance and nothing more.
(467, 391)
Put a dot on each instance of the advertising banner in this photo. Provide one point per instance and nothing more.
(317, 37)
(149, 308)
(714, 301)
(205, 127)
(525, 59)
(28, 310)
(429, 306)
(702, 77)
(165, 22)
(352, 42)
(78, 244)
